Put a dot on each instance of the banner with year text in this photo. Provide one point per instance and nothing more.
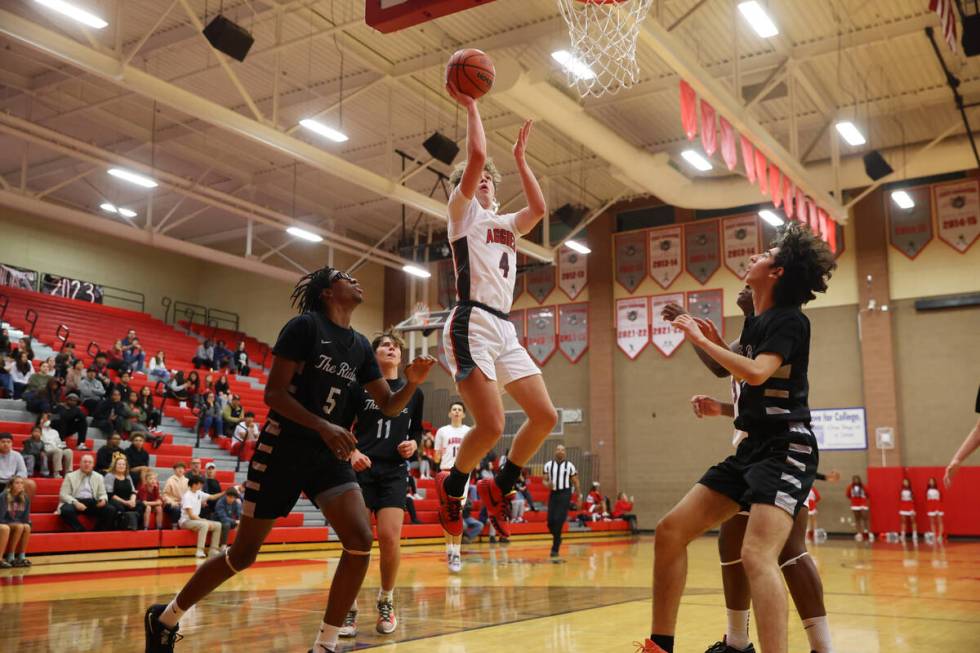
(633, 325)
(573, 272)
(631, 258)
(958, 213)
(573, 330)
(666, 338)
(666, 255)
(741, 242)
(541, 333)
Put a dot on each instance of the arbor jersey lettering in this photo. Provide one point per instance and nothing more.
(330, 357)
(448, 440)
(378, 436)
(484, 248)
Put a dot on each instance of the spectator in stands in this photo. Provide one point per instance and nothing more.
(4, 341)
(24, 345)
(427, 457)
(210, 415)
(59, 456)
(11, 462)
(228, 512)
(83, 491)
(65, 360)
(107, 453)
(151, 416)
(43, 392)
(138, 459)
(173, 492)
(222, 355)
(149, 495)
(33, 452)
(594, 507)
(195, 468)
(193, 385)
(115, 359)
(232, 415)
(240, 361)
(7, 363)
(205, 388)
(623, 509)
(245, 436)
(472, 528)
(158, 367)
(74, 376)
(130, 421)
(15, 519)
(191, 520)
(21, 373)
(134, 356)
(204, 356)
(107, 411)
(122, 496)
(123, 385)
(130, 337)
(101, 366)
(524, 491)
(68, 419)
(177, 387)
(211, 486)
(411, 495)
(222, 389)
(91, 390)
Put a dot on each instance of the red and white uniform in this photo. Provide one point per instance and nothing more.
(906, 504)
(858, 495)
(812, 500)
(448, 441)
(934, 502)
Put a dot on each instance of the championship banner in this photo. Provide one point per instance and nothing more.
(741, 235)
(517, 317)
(573, 272)
(709, 305)
(573, 330)
(447, 283)
(702, 256)
(910, 230)
(666, 338)
(633, 325)
(540, 281)
(541, 333)
(958, 213)
(631, 259)
(520, 276)
(665, 255)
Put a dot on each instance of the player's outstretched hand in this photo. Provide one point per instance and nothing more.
(710, 331)
(520, 146)
(690, 327)
(705, 406)
(339, 440)
(833, 476)
(951, 469)
(672, 311)
(419, 368)
(359, 461)
(408, 448)
(462, 98)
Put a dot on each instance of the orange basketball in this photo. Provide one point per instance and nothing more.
(471, 72)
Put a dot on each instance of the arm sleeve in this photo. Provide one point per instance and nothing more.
(21, 466)
(100, 493)
(65, 494)
(369, 370)
(574, 471)
(296, 338)
(109, 483)
(820, 477)
(415, 429)
(439, 443)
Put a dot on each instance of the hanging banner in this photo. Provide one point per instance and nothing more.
(789, 192)
(689, 110)
(702, 251)
(631, 259)
(666, 338)
(729, 149)
(910, 230)
(748, 157)
(540, 281)
(11, 275)
(573, 330)
(958, 213)
(517, 317)
(812, 219)
(633, 325)
(573, 272)
(447, 283)
(709, 305)
(665, 255)
(541, 333)
(709, 132)
(800, 205)
(86, 291)
(762, 172)
(521, 277)
(776, 185)
(741, 238)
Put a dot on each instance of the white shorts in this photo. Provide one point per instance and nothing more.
(936, 513)
(475, 338)
(859, 508)
(906, 513)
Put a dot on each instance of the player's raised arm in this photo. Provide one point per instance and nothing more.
(391, 403)
(536, 207)
(476, 155)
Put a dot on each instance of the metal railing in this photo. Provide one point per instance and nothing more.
(167, 303)
(31, 316)
(124, 296)
(190, 312)
(4, 302)
(92, 349)
(218, 315)
(62, 333)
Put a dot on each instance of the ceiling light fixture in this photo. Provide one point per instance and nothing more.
(133, 177)
(318, 127)
(578, 68)
(73, 12)
(850, 133)
(416, 271)
(576, 246)
(903, 199)
(108, 208)
(127, 213)
(771, 217)
(696, 160)
(304, 234)
(757, 17)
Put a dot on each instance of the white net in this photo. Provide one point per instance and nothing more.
(603, 43)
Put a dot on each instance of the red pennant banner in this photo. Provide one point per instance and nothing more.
(740, 236)
(823, 220)
(832, 235)
(748, 158)
(789, 192)
(812, 218)
(775, 185)
(800, 205)
(689, 110)
(729, 149)
(760, 172)
(709, 132)
(573, 272)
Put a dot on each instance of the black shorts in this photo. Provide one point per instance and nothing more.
(285, 464)
(384, 487)
(776, 470)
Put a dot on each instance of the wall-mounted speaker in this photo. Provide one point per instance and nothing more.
(441, 148)
(876, 166)
(228, 37)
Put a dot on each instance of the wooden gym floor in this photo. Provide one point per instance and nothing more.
(880, 598)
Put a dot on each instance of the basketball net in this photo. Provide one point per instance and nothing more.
(421, 314)
(603, 37)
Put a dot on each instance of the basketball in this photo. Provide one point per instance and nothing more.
(471, 72)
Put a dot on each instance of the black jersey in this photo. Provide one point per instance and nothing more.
(378, 436)
(783, 398)
(331, 357)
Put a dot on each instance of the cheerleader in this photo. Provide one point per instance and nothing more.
(906, 510)
(857, 493)
(934, 508)
(812, 500)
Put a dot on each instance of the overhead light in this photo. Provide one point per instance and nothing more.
(133, 177)
(903, 199)
(304, 234)
(127, 213)
(573, 64)
(73, 12)
(416, 271)
(758, 19)
(771, 217)
(850, 133)
(327, 132)
(697, 160)
(576, 246)
(108, 208)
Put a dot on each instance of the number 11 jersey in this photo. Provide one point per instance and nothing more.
(484, 247)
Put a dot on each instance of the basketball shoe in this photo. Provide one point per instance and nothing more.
(159, 638)
(722, 647)
(349, 627)
(497, 504)
(386, 618)
(647, 646)
(455, 563)
(450, 508)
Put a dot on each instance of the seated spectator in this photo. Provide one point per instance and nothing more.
(107, 453)
(232, 415)
(206, 387)
(68, 419)
(11, 462)
(427, 457)
(59, 456)
(115, 360)
(240, 360)
(65, 361)
(158, 368)
(623, 509)
(43, 392)
(173, 493)
(411, 495)
(134, 357)
(7, 363)
(245, 437)
(24, 345)
(15, 524)
(151, 416)
(149, 495)
(210, 415)
(472, 528)
(212, 486)
(594, 507)
(204, 356)
(108, 411)
(130, 337)
(222, 356)
(83, 491)
(101, 367)
(523, 491)
(130, 419)
(138, 458)
(90, 390)
(21, 373)
(73, 378)
(191, 520)
(123, 385)
(4, 341)
(35, 460)
(122, 496)
(223, 390)
(177, 388)
(195, 468)
(228, 512)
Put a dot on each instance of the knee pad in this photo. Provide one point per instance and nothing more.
(355, 552)
(792, 561)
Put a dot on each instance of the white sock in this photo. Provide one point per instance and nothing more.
(386, 595)
(171, 615)
(737, 635)
(327, 638)
(818, 632)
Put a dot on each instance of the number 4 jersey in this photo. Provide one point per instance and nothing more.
(484, 248)
(378, 436)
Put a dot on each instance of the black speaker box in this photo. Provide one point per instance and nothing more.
(971, 35)
(876, 166)
(570, 214)
(441, 148)
(225, 36)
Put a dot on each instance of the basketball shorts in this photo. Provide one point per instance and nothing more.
(476, 338)
(776, 470)
(286, 464)
(384, 487)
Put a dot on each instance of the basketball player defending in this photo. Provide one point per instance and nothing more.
(774, 466)
(303, 448)
(481, 343)
(383, 445)
(448, 440)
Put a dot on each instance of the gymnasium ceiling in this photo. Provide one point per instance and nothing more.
(866, 60)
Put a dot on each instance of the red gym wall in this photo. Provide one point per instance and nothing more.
(961, 502)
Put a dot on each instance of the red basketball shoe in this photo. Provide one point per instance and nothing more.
(647, 646)
(450, 508)
(498, 505)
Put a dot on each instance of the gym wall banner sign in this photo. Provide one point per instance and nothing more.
(447, 283)
(710, 305)
(702, 249)
(839, 429)
(910, 230)
(15, 277)
(633, 325)
(958, 213)
(573, 272)
(541, 333)
(573, 330)
(517, 317)
(631, 259)
(541, 281)
(741, 240)
(666, 255)
(666, 337)
(85, 291)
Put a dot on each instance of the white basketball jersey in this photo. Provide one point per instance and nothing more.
(932, 494)
(484, 248)
(448, 440)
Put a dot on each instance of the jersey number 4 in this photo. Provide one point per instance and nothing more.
(504, 264)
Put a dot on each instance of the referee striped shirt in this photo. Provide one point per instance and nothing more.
(559, 474)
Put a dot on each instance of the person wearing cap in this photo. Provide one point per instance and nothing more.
(68, 420)
(212, 486)
(11, 462)
(228, 511)
(91, 390)
(233, 413)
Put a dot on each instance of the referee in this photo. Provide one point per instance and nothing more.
(560, 476)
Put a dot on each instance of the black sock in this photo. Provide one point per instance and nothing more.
(507, 476)
(456, 483)
(666, 642)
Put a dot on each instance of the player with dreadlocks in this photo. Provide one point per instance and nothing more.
(304, 447)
